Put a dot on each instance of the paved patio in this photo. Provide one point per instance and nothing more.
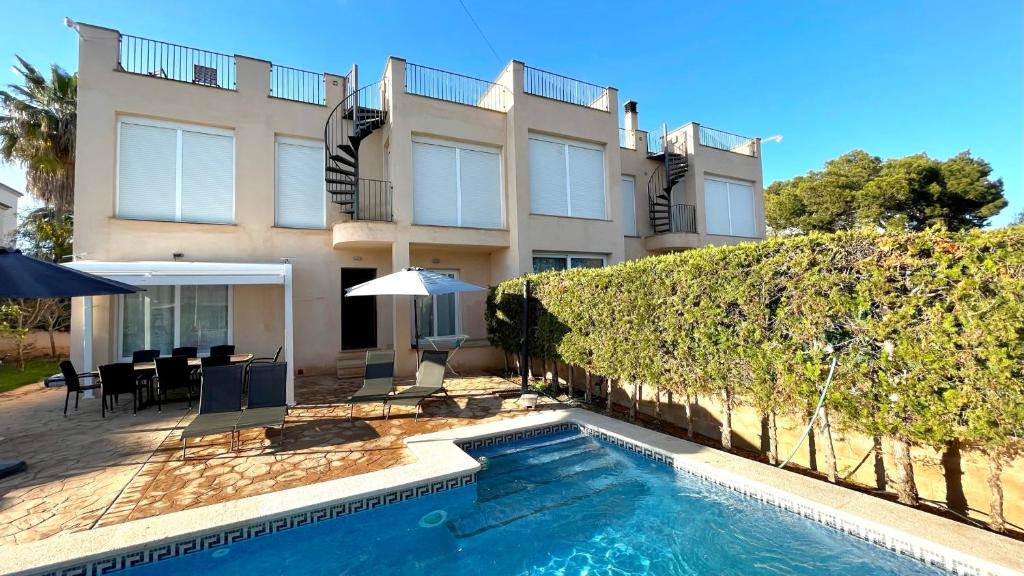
(85, 471)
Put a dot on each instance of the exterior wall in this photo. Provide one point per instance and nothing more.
(104, 95)
(484, 257)
(8, 213)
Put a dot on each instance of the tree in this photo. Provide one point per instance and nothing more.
(1018, 219)
(911, 193)
(37, 131)
(46, 236)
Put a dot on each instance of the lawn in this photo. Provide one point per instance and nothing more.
(36, 370)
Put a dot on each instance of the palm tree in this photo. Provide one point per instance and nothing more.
(37, 131)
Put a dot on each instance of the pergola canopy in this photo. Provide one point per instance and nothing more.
(194, 274)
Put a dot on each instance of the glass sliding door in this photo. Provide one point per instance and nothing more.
(165, 317)
(147, 320)
(204, 316)
(437, 315)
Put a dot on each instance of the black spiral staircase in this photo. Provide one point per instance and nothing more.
(673, 168)
(350, 122)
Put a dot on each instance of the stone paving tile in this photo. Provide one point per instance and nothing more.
(85, 471)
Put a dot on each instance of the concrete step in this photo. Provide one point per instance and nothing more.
(351, 364)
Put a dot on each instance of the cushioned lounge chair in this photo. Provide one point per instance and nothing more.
(378, 379)
(220, 404)
(268, 397)
(429, 381)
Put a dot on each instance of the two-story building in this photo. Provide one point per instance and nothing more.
(246, 196)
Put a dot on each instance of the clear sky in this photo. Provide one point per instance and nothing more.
(893, 78)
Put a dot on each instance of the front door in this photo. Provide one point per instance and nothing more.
(358, 313)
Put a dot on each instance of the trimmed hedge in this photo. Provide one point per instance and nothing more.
(927, 328)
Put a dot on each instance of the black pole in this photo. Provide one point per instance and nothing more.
(524, 343)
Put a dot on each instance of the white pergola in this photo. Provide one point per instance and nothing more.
(192, 274)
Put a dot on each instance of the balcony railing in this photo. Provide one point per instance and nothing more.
(727, 141)
(295, 84)
(173, 62)
(452, 87)
(375, 201)
(628, 138)
(557, 87)
(683, 218)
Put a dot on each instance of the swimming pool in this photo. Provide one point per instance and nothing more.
(562, 503)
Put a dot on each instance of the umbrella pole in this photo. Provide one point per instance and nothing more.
(415, 323)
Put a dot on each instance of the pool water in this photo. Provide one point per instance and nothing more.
(559, 504)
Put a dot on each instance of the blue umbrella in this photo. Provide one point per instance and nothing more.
(26, 277)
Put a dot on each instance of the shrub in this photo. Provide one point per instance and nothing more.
(927, 328)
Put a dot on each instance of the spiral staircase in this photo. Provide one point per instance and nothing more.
(357, 116)
(665, 216)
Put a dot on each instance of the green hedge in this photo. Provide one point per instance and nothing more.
(928, 330)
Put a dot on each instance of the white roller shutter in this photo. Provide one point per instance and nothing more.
(147, 172)
(300, 200)
(586, 183)
(480, 189)
(716, 206)
(629, 206)
(434, 182)
(207, 178)
(741, 209)
(548, 178)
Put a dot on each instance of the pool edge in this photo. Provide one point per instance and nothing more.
(442, 464)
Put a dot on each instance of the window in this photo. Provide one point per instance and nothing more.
(547, 262)
(729, 207)
(566, 178)
(437, 315)
(456, 185)
(165, 317)
(178, 173)
(300, 201)
(629, 205)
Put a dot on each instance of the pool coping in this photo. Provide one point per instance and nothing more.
(442, 464)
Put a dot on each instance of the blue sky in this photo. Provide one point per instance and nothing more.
(893, 78)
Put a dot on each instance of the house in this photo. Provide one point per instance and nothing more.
(8, 213)
(245, 196)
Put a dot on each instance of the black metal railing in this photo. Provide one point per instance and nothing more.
(452, 87)
(722, 140)
(375, 201)
(557, 87)
(683, 218)
(294, 84)
(173, 62)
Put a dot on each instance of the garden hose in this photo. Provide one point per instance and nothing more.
(814, 417)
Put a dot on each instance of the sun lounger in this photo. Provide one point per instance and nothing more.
(220, 404)
(429, 381)
(268, 403)
(378, 379)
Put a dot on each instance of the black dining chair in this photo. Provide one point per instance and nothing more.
(145, 377)
(186, 351)
(117, 379)
(222, 350)
(172, 373)
(73, 383)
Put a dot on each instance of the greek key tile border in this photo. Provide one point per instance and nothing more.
(526, 434)
(194, 544)
(951, 561)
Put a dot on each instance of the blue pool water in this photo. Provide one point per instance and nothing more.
(559, 504)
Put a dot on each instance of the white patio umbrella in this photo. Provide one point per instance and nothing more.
(412, 282)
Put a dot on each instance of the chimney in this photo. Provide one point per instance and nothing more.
(632, 120)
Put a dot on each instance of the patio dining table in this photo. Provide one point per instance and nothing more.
(194, 362)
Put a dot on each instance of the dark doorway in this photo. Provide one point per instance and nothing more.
(359, 313)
